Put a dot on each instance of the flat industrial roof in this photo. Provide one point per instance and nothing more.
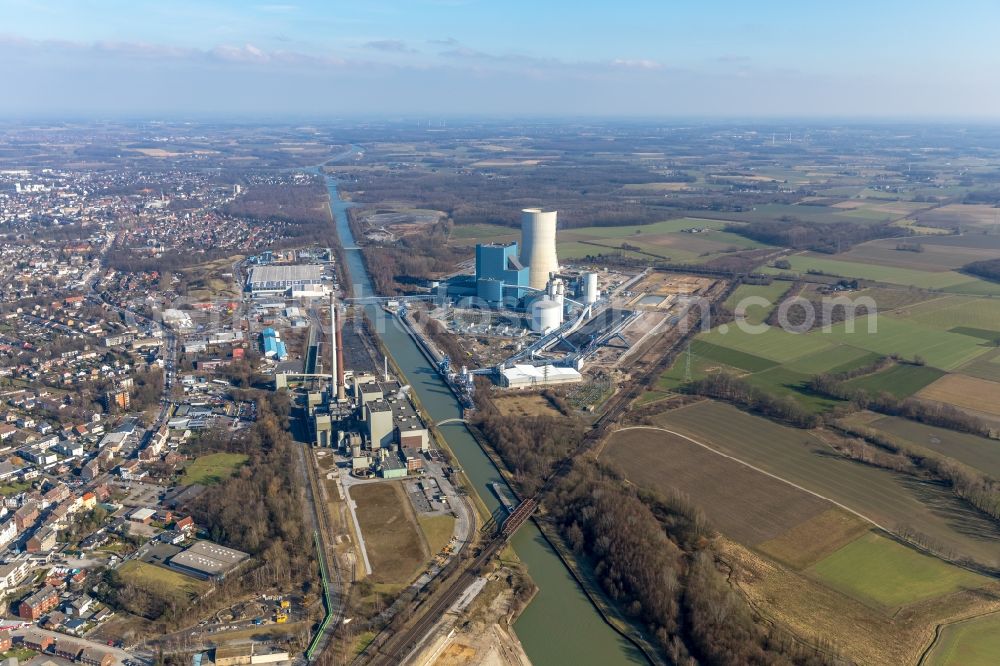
(289, 273)
(529, 372)
(209, 558)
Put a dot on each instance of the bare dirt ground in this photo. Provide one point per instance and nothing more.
(480, 635)
(524, 405)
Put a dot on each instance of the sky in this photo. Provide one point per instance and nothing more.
(499, 58)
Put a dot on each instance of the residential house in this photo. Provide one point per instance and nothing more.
(43, 540)
(39, 603)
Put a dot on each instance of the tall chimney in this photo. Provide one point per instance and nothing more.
(333, 345)
(340, 355)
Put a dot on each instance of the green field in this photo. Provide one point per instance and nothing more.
(212, 468)
(437, 530)
(483, 233)
(772, 293)
(785, 381)
(901, 380)
(770, 212)
(152, 577)
(939, 349)
(841, 358)
(701, 367)
(879, 570)
(665, 227)
(974, 642)
(949, 312)
(944, 280)
(774, 343)
(986, 366)
(730, 357)
(800, 456)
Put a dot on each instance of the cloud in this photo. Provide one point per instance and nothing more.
(246, 53)
(276, 8)
(637, 64)
(468, 53)
(389, 46)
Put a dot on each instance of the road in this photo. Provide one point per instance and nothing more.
(121, 656)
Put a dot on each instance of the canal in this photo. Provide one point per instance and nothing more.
(560, 626)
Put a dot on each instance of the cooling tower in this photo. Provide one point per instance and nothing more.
(538, 245)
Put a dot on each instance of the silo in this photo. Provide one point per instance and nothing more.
(538, 245)
(590, 291)
(546, 314)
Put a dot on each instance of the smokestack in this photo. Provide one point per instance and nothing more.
(333, 345)
(340, 356)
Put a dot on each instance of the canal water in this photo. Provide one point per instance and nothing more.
(560, 625)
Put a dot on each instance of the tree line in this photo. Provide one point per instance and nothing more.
(988, 269)
(826, 237)
(935, 414)
(654, 557)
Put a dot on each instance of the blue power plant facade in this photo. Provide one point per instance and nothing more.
(499, 272)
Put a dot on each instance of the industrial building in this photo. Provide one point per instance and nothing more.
(207, 560)
(272, 346)
(291, 279)
(499, 272)
(529, 376)
(378, 417)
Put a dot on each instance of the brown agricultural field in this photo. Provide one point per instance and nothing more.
(740, 502)
(892, 500)
(393, 540)
(981, 215)
(972, 393)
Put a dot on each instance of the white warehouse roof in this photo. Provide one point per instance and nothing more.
(520, 376)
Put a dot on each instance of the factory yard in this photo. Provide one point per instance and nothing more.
(396, 546)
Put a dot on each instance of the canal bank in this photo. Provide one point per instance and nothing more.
(560, 625)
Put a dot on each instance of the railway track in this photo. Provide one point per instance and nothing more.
(398, 646)
(320, 518)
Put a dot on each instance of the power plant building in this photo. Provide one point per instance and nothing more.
(499, 270)
(538, 245)
(381, 431)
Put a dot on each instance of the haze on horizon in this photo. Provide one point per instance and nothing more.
(400, 58)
